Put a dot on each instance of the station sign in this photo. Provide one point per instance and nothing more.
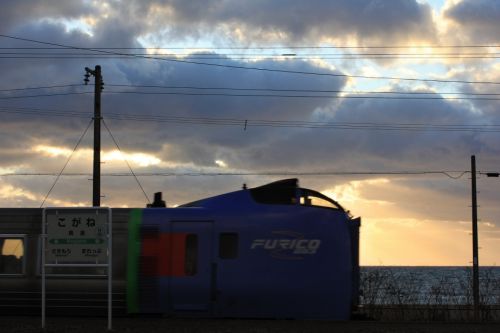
(76, 235)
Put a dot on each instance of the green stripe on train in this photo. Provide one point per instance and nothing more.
(134, 249)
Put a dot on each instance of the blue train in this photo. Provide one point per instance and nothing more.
(274, 251)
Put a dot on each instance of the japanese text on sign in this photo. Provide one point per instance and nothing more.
(76, 235)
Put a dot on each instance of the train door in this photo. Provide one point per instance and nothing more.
(192, 292)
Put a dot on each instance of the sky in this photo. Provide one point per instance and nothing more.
(169, 70)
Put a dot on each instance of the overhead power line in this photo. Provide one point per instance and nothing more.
(255, 89)
(247, 123)
(453, 174)
(42, 87)
(247, 54)
(46, 95)
(250, 56)
(261, 47)
(292, 93)
(44, 112)
(324, 74)
(300, 96)
(269, 123)
(304, 90)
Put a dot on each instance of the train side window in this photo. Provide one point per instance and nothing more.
(228, 245)
(191, 260)
(12, 249)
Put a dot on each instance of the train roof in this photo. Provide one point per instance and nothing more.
(281, 192)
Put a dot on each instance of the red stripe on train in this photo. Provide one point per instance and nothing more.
(163, 254)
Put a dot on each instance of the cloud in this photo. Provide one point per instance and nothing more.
(361, 21)
(17, 13)
(477, 20)
(203, 143)
(364, 21)
(422, 220)
(344, 149)
(386, 242)
(485, 72)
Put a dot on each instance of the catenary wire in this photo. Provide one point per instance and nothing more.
(249, 67)
(447, 173)
(246, 54)
(480, 128)
(297, 96)
(207, 47)
(47, 95)
(53, 112)
(264, 95)
(387, 92)
(233, 56)
(42, 87)
(283, 71)
(302, 90)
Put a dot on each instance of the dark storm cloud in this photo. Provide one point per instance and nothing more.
(26, 130)
(477, 20)
(201, 144)
(489, 72)
(288, 21)
(141, 135)
(17, 13)
(371, 149)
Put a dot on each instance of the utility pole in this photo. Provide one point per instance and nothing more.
(96, 178)
(475, 251)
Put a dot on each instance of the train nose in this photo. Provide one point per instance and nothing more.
(355, 224)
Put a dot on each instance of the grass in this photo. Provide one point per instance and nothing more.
(392, 294)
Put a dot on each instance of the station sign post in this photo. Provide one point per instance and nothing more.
(77, 237)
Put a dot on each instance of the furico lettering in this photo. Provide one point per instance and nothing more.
(287, 248)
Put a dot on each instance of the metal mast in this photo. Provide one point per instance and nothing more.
(475, 251)
(96, 179)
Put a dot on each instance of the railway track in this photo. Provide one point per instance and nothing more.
(61, 303)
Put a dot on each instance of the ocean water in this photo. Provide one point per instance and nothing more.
(429, 285)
